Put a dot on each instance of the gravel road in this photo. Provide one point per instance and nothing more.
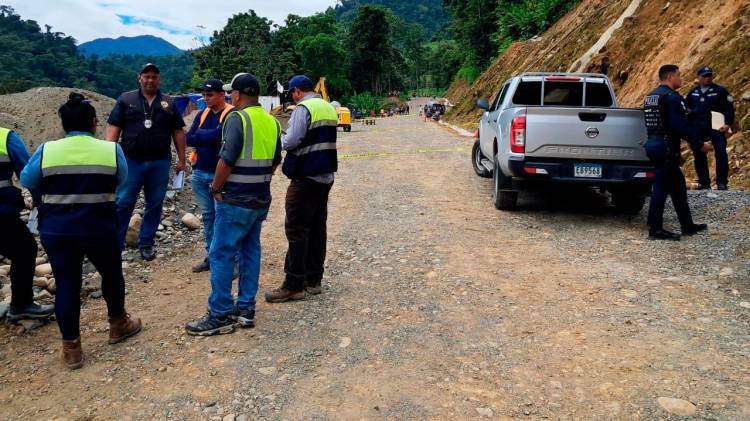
(435, 306)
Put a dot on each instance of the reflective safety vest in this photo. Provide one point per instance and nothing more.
(316, 153)
(79, 179)
(251, 174)
(6, 166)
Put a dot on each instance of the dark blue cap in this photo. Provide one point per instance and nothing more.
(705, 71)
(244, 83)
(300, 82)
(213, 85)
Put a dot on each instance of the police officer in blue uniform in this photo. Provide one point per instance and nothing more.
(701, 101)
(666, 124)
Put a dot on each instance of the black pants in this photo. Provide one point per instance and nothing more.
(18, 244)
(66, 253)
(668, 181)
(719, 140)
(306, 216)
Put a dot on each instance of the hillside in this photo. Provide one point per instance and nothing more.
(656, 34)
(428, 13)
(148, 45)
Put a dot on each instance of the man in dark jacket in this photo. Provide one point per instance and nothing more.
(145, 122)
(205, 136)
(666, 125)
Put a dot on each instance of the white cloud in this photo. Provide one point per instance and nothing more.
(90, 19)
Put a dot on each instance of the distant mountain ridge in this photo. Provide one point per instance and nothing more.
(148, 45)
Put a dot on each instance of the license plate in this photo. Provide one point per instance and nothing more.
(587, 170)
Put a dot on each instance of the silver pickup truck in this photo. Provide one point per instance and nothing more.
(545, 128)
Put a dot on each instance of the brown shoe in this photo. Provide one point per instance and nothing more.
(72, 354)
(123, 327)
(314, 289)
(281, 295)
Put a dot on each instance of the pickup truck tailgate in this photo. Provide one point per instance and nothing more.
(585, 133)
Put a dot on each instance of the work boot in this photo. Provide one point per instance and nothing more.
(148, 253)
(72, 354)
(722, 187)
(202, 266)
(123, 327)
(693, 229)
(703, 186)
(209, 325)
(314, 288)
(662, 234)
(282, 294)
(31, 311)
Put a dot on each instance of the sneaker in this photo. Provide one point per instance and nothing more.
(662, 234)
(148, 253)
(203, 266)
(243, 318)
(281, 295)
(694, 229)
(722, 187)
(31, 311)
(209, 325)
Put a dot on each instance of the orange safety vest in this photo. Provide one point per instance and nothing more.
(193, 156)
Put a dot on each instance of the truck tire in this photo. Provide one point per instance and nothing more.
(476, 161)
(348, 128)
(628, 202)
(504, 199)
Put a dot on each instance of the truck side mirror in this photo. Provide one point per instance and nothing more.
(483, 104)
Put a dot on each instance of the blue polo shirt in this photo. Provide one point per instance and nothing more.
(206, 140)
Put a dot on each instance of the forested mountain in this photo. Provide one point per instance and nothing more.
(34, 57)
(148, 45)
(428, 13)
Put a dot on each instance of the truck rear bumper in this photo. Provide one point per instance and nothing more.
(623, 173)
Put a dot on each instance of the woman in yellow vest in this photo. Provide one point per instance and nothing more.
(77, 177)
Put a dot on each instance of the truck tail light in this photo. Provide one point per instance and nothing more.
(518, 135)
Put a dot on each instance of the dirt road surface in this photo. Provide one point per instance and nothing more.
(436, 306)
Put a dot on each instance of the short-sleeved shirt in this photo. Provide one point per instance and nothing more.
(231, 148)
(139, 142)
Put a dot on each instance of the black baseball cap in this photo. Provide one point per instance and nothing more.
(213, 85)
(705, 71)
(244, 83)
(150, 67)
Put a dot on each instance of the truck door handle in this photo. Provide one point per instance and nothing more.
(594, 117)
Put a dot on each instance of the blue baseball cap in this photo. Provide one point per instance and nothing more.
(705, 71)
(301, 82)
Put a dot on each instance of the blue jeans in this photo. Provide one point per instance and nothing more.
(152, 177)
(237, 233)
(201, 181)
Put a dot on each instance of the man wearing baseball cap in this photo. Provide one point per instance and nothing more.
(249, 155)
(704, 98)
(205, 136)
(310, 163)
(145, 122)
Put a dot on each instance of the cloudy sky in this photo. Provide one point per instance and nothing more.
(181, 22)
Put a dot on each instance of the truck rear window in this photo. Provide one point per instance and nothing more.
(598, 95)
(528, 93)
(564, 94)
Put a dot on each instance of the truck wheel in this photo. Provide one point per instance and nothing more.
(628, 202)
(476, 161)
(504, 199)
(348, 128)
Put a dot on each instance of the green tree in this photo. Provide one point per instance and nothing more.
(375, 64)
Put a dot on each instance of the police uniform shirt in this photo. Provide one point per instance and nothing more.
(701, 101)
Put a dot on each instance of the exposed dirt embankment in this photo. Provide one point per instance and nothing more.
(33, 114)
(689, 33)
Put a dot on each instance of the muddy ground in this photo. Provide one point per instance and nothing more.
(436, 306)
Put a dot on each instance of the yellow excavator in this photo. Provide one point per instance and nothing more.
(345, 114)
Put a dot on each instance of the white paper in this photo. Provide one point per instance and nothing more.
(33, 223)
(178, 181)
(717, 120)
